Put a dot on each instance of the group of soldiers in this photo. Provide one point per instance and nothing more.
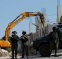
(14, 44)
(24, 42)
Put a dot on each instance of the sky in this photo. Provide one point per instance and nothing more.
(10, 9)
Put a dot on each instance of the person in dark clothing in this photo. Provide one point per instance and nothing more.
(24, 44)
(14, 44)
(54, 36)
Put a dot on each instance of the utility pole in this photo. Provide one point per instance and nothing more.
(30, 26)
(58, 11)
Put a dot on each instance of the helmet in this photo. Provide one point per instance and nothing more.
(24, 32)
(14, 32)
(54, 28)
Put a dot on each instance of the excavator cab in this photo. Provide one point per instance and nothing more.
(4, 44)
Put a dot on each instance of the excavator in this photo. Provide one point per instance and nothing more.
(5, 43)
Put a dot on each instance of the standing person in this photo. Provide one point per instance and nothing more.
(14, 44)
(54, 36)
(24, 44)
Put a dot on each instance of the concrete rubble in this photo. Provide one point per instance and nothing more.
(3, 53)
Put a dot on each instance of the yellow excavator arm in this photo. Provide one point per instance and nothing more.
(14, 23)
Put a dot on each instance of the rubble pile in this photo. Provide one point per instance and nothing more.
(4, 53)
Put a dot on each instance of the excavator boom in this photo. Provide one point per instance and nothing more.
(15, 22)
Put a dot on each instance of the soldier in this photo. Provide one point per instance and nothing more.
(14, 44)
(54, 36)
(24, 45)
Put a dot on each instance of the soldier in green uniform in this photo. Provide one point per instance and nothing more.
(55, 39)
(24, 44)
(14, 44)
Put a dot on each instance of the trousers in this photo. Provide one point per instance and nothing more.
(14, 50)
(24, 50)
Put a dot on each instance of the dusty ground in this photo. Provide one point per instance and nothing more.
(37, 56)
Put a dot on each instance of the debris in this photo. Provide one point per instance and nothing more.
(3, 52)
